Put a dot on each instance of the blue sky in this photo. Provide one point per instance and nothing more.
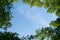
(26, 20)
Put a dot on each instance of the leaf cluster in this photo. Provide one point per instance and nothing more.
(5, 13)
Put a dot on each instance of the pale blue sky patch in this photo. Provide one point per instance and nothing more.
(27, 19)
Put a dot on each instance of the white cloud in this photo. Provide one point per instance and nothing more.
(34, 14)
(40, 20)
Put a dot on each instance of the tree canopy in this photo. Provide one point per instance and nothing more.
(5, 13)
(48, 33)
(8, 36)
(28, 37)
(52, 6)
(55, 23)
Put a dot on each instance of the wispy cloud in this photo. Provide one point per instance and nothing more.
(33, 14)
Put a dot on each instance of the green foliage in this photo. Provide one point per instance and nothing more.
(51, 5)
(28, 37)
(15, 1)
(58, 12)
(8, 36)
(48, 33)
(55, 23)
(33, 2)
(5, 13)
